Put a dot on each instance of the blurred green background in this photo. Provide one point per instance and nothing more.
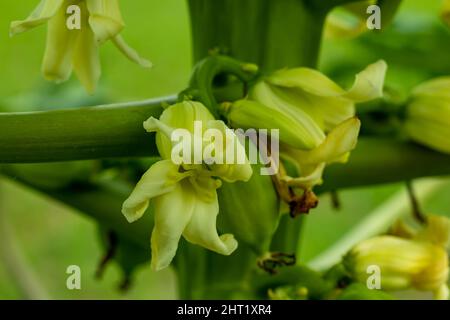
(49, 236)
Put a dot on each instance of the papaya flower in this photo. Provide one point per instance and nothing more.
(410, 257)
(183, 191)
(76, 47)
(404, 264)
(427, 114)
(315, 116)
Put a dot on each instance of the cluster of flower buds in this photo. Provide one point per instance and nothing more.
(76, 29)
(407, 258)
(315, 117)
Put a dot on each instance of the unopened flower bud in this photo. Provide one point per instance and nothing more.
(403, 264)
(298, 130)
(427, 119)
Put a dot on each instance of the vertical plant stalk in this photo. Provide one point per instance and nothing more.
(273, 34)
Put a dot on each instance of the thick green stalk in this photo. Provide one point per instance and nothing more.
(288, 240)
(271, 33)
(327, 4)
(78, 134)
(71, 135)
(381, 161)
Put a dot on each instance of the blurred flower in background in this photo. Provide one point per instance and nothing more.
(77, 48)
(410, 259)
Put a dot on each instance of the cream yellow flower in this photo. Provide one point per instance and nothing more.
(77, 49)
(315, 116)
(184, 195)
(404, 264)
(427, 119)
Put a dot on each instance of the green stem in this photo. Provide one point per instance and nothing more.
(381, 161)
(271, 33)
(78, 134)
(206, 71)
(288, 240)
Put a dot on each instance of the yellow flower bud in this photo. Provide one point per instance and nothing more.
(427, 119)
(404, 264)
(297, 129)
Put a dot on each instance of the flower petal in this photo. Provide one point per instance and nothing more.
(333, 111)
(173, 211)
(309, 177)
(86, 59)
(105, 18)
(348, 21)
(41, 14)
(202, 229)
(160, 179)
(130, 53)
(61, 41)
(234, 164)
(308, 80)
(178, 116)
(308, 124)
(338, 143)
(432, 134)
(368, 84)
(344, 25)
(437, 87)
